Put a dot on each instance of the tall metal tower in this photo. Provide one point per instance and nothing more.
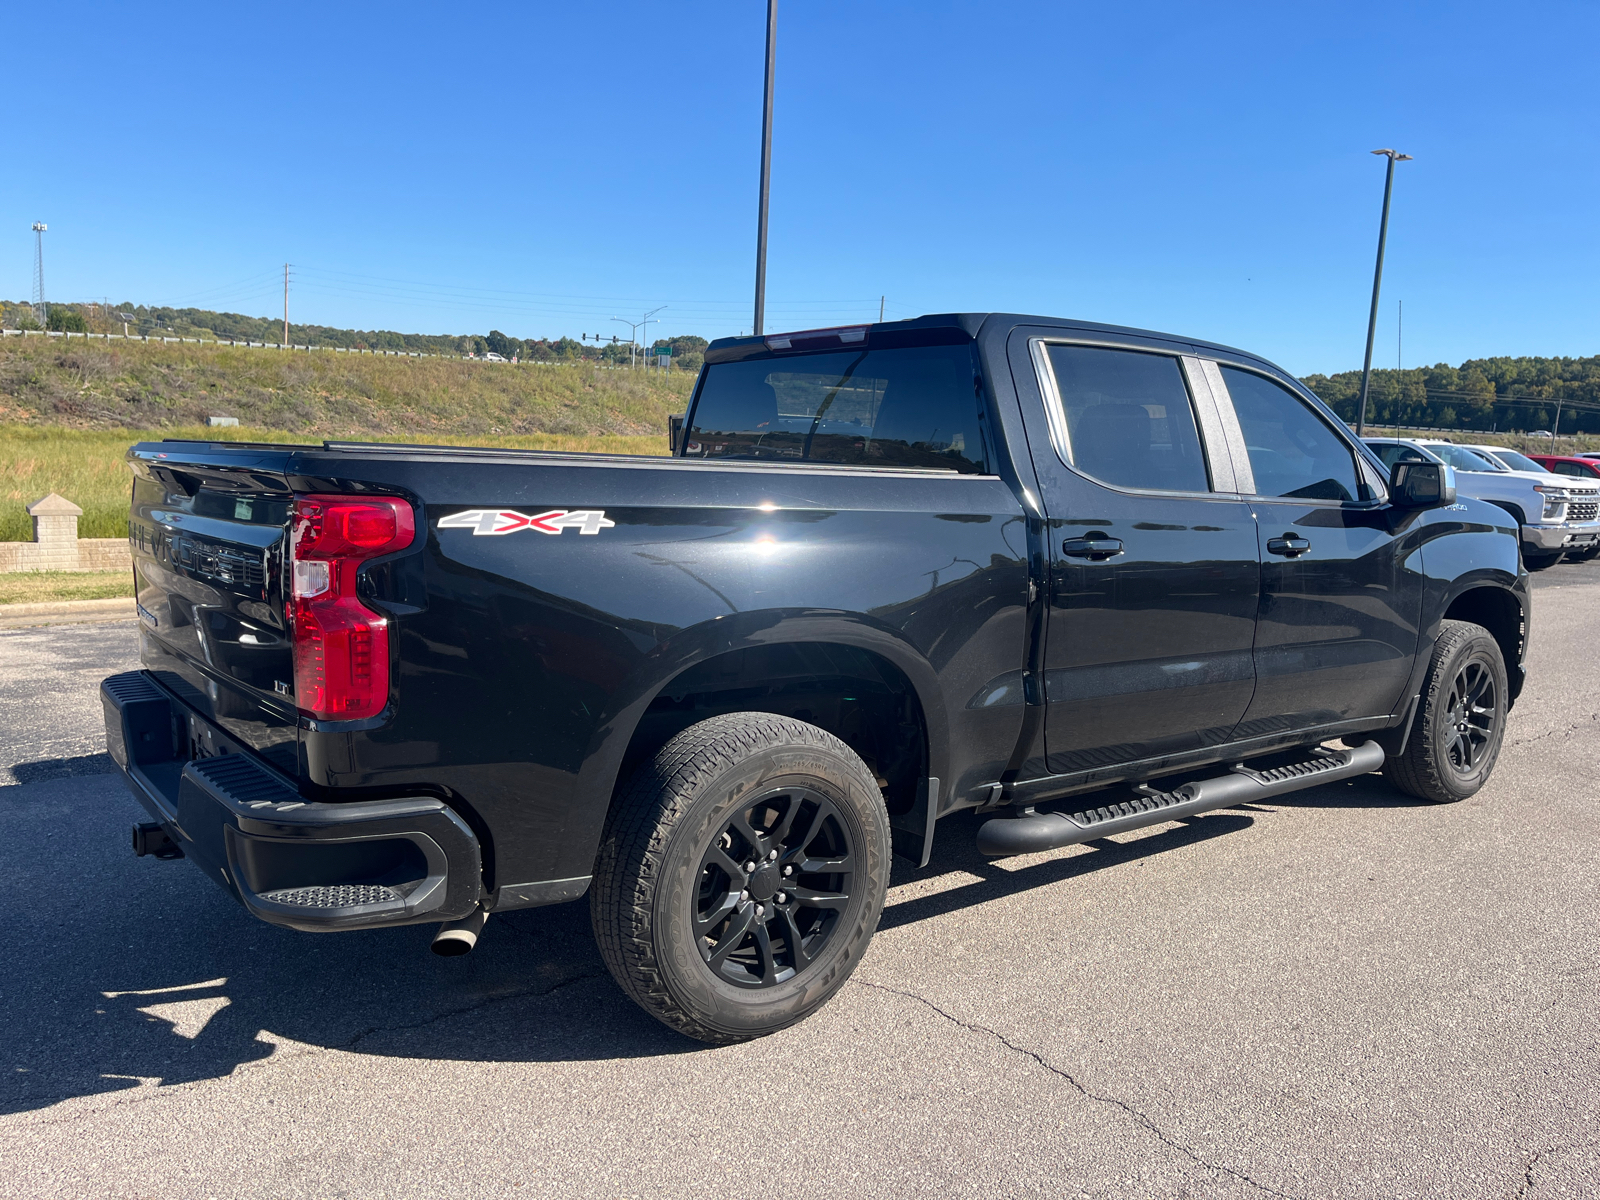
(41, 310)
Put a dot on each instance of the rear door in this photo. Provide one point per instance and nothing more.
(209, 552)
(1154, 575)
(1341, 589)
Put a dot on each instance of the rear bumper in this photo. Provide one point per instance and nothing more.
(1570, 535)
(302, 864)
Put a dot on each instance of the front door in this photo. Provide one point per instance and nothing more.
(1154, 573)
(1340, 603)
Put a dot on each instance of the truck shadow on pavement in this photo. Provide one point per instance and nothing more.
(125, 974)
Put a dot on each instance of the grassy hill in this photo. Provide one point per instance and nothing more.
(138, 385)
(70, 409)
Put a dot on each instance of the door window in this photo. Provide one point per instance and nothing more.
(1562, 468)
(1517, 462)
(1127, 420)
(1292, 450)
(1461, 458)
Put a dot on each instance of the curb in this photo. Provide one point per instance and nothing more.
(66, 612)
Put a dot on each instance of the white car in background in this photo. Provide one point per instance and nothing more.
(1557, 515)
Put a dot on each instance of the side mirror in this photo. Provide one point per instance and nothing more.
(674, 431)
(1422, 485)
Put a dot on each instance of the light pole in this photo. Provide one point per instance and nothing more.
(41, 309)
(1393, 156)
(766, 169)
(635, 326)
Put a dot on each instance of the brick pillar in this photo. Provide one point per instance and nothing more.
(55, 532)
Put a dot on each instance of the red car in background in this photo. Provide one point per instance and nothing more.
(1566, 464)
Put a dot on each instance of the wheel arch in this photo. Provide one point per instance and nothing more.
(723, 656)
(1498, 610)
(1514, 509)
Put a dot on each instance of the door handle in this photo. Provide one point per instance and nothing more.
(1290, 545)
(1095, 547)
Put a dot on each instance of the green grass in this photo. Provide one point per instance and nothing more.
(37, 587)
(70, 410)
(135, 385)
(87, 465)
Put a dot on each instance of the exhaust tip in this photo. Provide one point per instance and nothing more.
(452, 943)
(456, 938)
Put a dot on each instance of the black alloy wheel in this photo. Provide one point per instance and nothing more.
(1460, 721)
(773, 884)
(1473, 717)
(741, 876)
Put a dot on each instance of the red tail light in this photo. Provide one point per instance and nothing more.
(341, 647)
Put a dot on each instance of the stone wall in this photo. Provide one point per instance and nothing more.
(56, 545)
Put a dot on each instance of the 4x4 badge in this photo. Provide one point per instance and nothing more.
(492, 522)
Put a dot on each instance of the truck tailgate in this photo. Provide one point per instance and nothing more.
(210, 552)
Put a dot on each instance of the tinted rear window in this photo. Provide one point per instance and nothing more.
(906, 407)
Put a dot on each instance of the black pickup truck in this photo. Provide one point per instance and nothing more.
(1077, 577)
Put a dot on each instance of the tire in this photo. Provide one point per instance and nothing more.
(1460, 720)
(674, 910)
(1538, 560)
(1585, 555)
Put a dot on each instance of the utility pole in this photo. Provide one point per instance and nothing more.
(881, 299)
(766, 169)
(41, 310)
(1556, 428)
(1400, 337)
(1377, 280)
(286, 305)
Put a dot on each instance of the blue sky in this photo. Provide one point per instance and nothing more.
(540, 168)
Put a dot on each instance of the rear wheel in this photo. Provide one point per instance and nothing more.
(1460, 720)
(741, 876)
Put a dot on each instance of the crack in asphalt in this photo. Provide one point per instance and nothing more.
(1527, 1185)
(1141, 1119)
(464, 1010)
(280, 1057)
(1561, 733)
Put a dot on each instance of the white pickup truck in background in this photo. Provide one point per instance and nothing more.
(1557, 515)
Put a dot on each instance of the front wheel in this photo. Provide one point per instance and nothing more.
(1538, 560)
(1460, 720)
(741, 876)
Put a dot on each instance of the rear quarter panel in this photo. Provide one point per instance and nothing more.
(525, 660)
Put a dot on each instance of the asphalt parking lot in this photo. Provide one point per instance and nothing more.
(1342, 994)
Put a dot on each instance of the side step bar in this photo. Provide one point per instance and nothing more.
(1039, 831)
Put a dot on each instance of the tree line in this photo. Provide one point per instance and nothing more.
(1489, 394)
(142, 320)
